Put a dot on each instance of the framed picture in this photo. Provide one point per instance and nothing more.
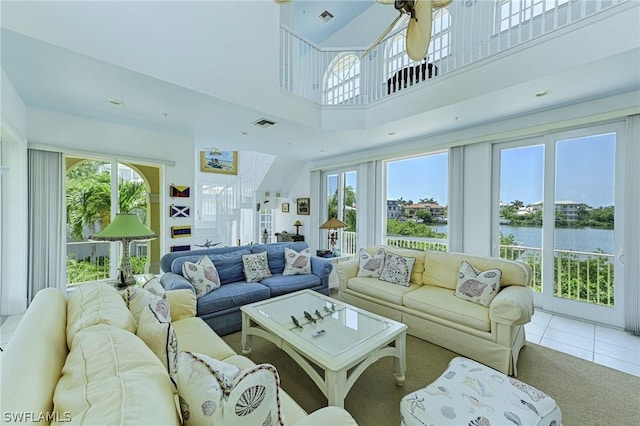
(180, 231)
(285, 207)
(178, 191)
(303, 205)
(216, 161)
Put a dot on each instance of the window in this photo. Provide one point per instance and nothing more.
(342, 81)
(89, 208)
(511, 13)
(341, 204)
(416, 204)
(397, 57)
(266, 223)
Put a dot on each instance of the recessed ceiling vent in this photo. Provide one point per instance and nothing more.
(326, 16)
(263, 122)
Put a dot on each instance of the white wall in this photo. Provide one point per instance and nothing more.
(13, 201)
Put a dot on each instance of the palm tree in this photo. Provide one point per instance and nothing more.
(517, 204)
(350, 207)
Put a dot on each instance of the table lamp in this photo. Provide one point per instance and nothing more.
(125, 227)
(298, 224)
(332, 225)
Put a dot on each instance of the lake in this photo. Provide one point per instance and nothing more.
(577, 239)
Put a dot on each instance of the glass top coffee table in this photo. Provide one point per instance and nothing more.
(341, 339)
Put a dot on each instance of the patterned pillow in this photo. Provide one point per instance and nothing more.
(203, 275)
(138, 298)
(154, 286)
(214, 392)
(478, 287)
(154, 328)
(297, 263)
(397, 269)
(256, 266)
(370, 266)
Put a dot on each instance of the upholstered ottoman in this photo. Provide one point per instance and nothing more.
(470, 393)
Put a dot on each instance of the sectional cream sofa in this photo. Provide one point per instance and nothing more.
(78, 361)
(492, 335)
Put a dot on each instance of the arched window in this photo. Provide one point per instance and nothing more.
(397, 57)
(342, 81)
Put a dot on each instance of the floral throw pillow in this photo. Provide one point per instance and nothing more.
(213, 392)
(397, 269)
(155, 330)
(477, 287)
(370, 266)
(297, 263)
(203, 275)
(256, 267)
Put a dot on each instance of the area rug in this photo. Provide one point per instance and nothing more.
(587, 393)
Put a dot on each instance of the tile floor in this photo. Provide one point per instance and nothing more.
(593, 342)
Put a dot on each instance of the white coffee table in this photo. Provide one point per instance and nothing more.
(343, 343)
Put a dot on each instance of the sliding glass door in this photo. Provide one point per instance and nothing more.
(572, 247)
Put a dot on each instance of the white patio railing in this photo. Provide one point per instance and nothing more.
(473, 34)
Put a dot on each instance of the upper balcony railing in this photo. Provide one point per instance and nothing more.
(472, 34)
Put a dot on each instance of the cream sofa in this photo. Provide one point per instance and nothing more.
(492, 335)
(118, 379)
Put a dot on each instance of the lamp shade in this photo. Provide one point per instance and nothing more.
(124, 226)
(333, 223)
(298, 223)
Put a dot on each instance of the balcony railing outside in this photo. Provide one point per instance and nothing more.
(473, 38)
(90, 261)
(582, 276)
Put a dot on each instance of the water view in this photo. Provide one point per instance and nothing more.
(577, 239)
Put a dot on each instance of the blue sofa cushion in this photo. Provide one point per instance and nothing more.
(229, 265)
(232, 295)
(275, 253)
(280, 284)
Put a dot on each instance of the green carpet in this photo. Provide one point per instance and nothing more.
(587, 393)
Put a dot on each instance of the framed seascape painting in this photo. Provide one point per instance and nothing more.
(216, 161)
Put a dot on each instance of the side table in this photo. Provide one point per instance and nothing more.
(333, 277)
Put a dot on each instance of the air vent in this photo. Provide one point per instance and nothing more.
(326, 16)
(263, 122)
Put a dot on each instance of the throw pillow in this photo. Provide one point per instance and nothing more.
(215, 392)
(370, 266)
(297, 263)
(477, 287)
(137, 299)
(203, 275)
(256, 266)
(154, 328)
(154, 286)
(397, 269)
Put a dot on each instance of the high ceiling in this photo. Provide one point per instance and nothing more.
(208, 69)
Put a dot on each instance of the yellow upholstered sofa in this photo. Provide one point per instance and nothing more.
(491, 334)
(77, 360)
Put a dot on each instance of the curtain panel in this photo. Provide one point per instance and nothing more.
(631, 253)
(47, 222)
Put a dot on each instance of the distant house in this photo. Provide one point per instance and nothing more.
(569, 209)
(436, 210)
(394, 209)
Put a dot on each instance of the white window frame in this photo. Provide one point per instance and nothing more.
(342, 79)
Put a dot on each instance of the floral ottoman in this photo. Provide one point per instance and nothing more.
(470, 393)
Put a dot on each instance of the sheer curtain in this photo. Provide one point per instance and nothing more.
(631, 258)
(47, 222)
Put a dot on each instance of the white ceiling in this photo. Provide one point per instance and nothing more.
(208, 69)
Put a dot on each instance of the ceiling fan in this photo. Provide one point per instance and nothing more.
(419, 27)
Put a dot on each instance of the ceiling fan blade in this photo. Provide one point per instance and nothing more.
(441, 3)
(282, 1)
(419, 30)
(382, 36)
(385, 1)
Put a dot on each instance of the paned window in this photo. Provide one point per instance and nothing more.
(342, 81)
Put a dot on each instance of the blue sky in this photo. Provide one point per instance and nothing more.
(585, 173)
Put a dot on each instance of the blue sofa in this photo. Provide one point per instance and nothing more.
(221, 307)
